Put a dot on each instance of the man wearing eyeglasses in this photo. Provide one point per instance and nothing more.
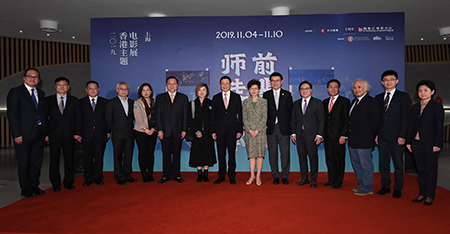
(27, 120)
(307, 124)
(119, 118)
(394, 109)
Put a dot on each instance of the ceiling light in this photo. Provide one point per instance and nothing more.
(421, 38)
(73, 37)
(444, 32)
(20, 31)
(281, 10)
(156, 15)
(48, 34)
(49, 26)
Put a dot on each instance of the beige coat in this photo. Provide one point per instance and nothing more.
(255, 119)
(140, 116)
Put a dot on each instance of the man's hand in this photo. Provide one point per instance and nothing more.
(160, 135)
(183, 134)
(401, 141)
(376, 140)
(409, 147)
(238, 135)
(77, 137)
(318, 140)
(19, 140)
(294, 139)
(342, 140)
(214, 136)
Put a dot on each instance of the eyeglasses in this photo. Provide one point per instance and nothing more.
(333, 87)
(122, 89)
(32, 77)
(386, 80)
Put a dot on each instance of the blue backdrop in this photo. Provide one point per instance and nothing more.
(202, 49)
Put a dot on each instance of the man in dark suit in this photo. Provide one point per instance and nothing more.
(171, 123)
(95, 133)
(27, 119)
(64, 125)
(307, 123)
(336, 110)
(363, 126)
(394, 108)
(119, 119)
(279, 111)
(226, 128)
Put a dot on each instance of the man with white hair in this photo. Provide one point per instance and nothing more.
(363, 125)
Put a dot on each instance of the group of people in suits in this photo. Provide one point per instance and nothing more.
(274, 118)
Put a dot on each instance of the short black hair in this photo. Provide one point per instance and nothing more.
(62, 78)
(276, 74)
(305, 82)
(334, 80)
(389, 73)
(33, 69)
(253, 82)
(171, 77)
(92, 82)
(430, 84)
(224, 77)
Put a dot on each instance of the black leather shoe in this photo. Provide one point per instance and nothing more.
(99, 182)
(336, 187)
(417, 200)
(163, 180)
(276, 180)
(428, 203)
(313, 184)
(285, 180)
(232, 181)
(151, 179)
(302, 182)
(397, 193)
(384, 191)
(179, 180)
(69, 187)
(37, 191)
(219, 180)
(56, 189)
(132, 180)
(121, 182)
(86, 183)
(205, 176)
(27, 193)
(328, 184)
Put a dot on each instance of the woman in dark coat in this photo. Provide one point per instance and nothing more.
(425, 139)
(202, 148)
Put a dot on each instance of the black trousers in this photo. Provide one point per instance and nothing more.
(427, 167)
(67, 147)
(29, 157)
(123, 156)
(223, 143)
(335, 159)
(93, 152)
(171, 147)
(273, 141)
(388, 150)
(146, 145)
(307, 148)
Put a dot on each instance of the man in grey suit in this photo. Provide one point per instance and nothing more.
(307, 123)
(394, 110)
(279, 111)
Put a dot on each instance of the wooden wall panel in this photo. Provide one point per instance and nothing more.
(427, 53)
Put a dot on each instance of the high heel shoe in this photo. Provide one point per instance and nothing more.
(426, 203)
(249, 182)
(417, 200)
(258, 182)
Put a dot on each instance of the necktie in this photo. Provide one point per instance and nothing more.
(356, 103)
(35, 104)
(61, 105)
(225, 101)
(276, 99)
(171, 97)
(386, 101)
(304, 107)
(331, 105)
(93, 104)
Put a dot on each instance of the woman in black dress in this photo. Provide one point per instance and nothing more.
(202, 148)
(425, 139)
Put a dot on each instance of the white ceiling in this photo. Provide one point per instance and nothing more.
(422, 18)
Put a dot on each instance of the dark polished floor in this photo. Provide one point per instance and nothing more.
(10, 190)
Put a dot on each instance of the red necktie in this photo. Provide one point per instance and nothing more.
(331, 105)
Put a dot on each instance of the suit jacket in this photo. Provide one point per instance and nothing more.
(171, 118)
(283, 113)
(94, 122)
(394, 121)
(140, 115)
(336, 122)
(313, 120)
(22, 113)
(364, 123)
(226, 121)
(66, 125)
(118, 122)
(430, 124)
